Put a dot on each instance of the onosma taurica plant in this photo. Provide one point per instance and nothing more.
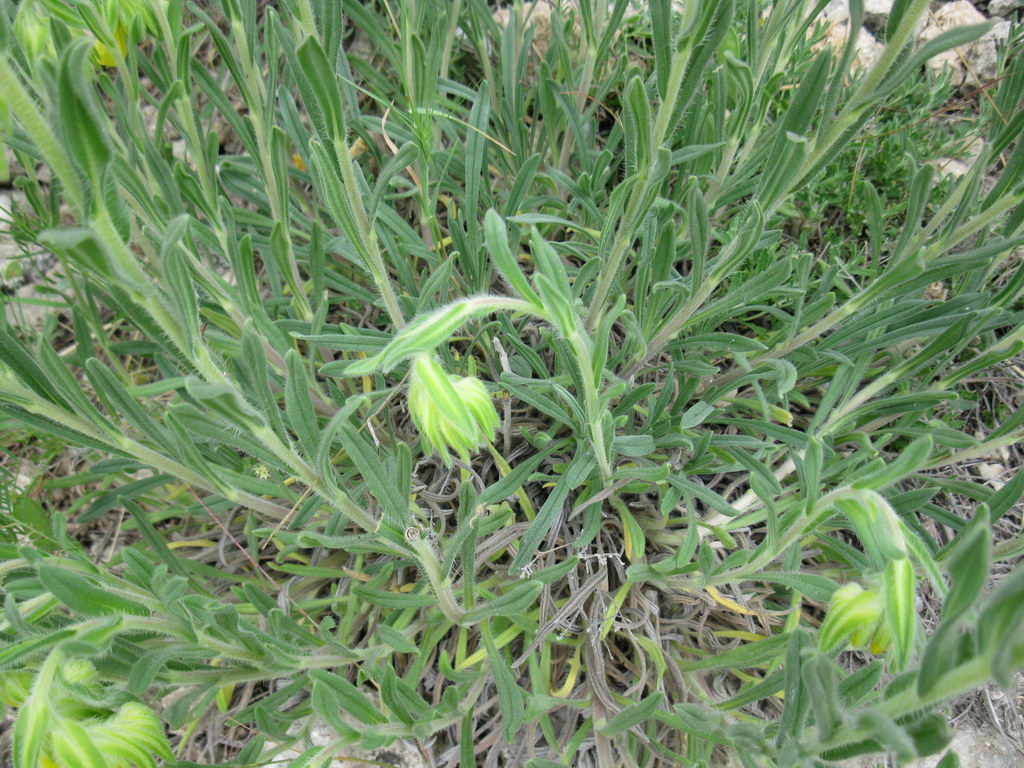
(463, 380)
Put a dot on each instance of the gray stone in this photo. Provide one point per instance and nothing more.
(1004, 8)
(876, 13)
(973, 64)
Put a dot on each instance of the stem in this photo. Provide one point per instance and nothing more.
(369, 246)
(861, 99)
(453, 24)
(592, 404)
(23, 106)
(627, 225)
(963, 679)
(442, 586)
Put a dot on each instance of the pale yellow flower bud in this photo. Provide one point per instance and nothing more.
(451, 413)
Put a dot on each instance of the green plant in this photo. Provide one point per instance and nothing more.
(699, 418)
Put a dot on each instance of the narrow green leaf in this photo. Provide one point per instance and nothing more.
(541, 524)
(497, 245)
(351, 699)
(632, 716)
(516, 600)
(299, 405)
(900, 611)
(82, 595)
(510, 697)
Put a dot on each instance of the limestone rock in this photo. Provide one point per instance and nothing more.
(536, 13)
(398, 754)
(1004, 8)
(975, 63)
(868, 48)
(876, 14)
(959, 166)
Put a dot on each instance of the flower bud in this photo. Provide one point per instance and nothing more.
(451, 413)
(32, 30)
(854, 613)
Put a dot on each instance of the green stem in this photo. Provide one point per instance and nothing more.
(628, 225)
(24, 108)
(959, 680)
(862, 97)
(591, 402)
(439, 582)
(369, 246)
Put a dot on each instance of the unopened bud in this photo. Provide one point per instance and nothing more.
(451, 413)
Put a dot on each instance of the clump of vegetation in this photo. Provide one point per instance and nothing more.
(450, 384)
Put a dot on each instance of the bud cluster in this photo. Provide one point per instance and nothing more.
(451, 412)
(858, 614)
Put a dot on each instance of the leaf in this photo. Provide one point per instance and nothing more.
(814, 586)
(538, 530)
(930, 734)
(120, 403)
(497, 242)
(948, 40)
(379, 483)
(911, 459)
(179, 279)
(900, 611)
(30, 513)
(751, 654)
(968, 566)
(819, 677)
(511, 702)
(318, 84)
(394, 600)
(299, 405)
(635, 446)
(632, 716)
(517, 600)
(82, 595)
(661, 34)
(396, 639)
(14, 652)
(82, 120)
(112, 498)
(350, 698)
(327, 704)
(1003, 500)
(797, 702)
(514, 480)
(401, 699)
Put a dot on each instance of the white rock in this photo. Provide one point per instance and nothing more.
(837, 11)
(869, 50)
(538, 14)
(975, 63)
(957, 167)
(399, 754)
(1004, 7)
(950, 166)
(876, 12)
(994, 473)
(867, 47)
